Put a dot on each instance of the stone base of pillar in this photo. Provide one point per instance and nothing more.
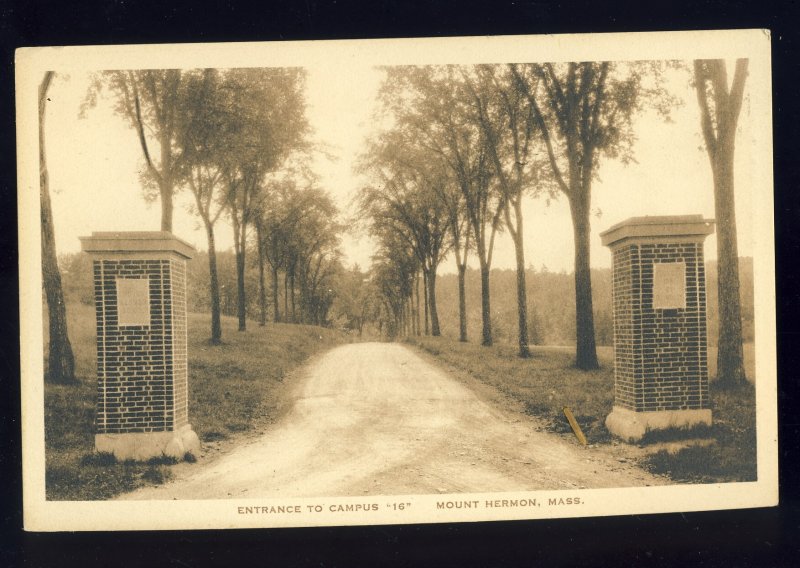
(631, 426)
(142, 446)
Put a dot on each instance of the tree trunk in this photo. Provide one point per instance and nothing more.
(402, 313)
(411, 325)
(486, 308)
(60, 360)
(291, 287)
(216, 324)
(165, 194)
(720, 145)
(239, 231)
(165, 181)
(276, 315)
(417, 314)
(411, 304)
(462, 303)
(409, 318)
(435, 331)
(522, 299)
(408, 306)
(286, 296)
(241, 307)
(585, 352)
(401, 324)
(262, 289)
(730, 356)
(425, 290)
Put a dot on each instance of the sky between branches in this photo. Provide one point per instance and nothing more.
(94, 164)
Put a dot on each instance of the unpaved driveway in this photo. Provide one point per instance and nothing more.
(375, 418)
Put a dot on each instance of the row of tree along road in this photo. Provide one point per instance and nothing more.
(462, 145)
(238, 141)
(458, 149)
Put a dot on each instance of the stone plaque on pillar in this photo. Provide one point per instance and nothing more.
(660, 344)
(140, 304)
(133, 301)
(669, 285)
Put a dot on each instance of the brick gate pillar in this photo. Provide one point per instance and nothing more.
(140, 303)
(659, 305)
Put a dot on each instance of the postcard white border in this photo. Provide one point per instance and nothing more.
(42, 515)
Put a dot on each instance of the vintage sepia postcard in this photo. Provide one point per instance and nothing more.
(396, 281)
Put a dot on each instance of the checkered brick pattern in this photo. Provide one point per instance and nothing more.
(142, 370)
(661, 354)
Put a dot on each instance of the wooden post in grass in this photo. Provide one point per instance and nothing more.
(575, 426)
(140, 302)
(659, 302)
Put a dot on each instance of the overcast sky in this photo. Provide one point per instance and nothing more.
(94, 164)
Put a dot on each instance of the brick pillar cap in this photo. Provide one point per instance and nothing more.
(135, 241)
(660, 227)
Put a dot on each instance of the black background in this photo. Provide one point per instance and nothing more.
(761, 537)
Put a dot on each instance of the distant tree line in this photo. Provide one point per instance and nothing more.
(551, 317)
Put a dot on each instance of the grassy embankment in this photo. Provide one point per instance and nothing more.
(547, 382)
(230, 387)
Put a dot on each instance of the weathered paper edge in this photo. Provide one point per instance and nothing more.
(41, 515)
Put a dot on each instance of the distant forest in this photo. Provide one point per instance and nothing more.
(551, 304)
(551, 298)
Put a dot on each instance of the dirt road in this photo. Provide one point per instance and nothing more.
(376, 418)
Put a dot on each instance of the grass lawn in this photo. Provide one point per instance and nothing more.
(230, 386)
(548, 382)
